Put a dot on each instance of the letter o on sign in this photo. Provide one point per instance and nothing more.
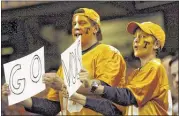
(35, 76)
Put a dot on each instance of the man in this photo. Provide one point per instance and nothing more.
(174, 73)
(147, 91)
(104, 64)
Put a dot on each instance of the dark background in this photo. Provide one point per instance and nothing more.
(21, 26)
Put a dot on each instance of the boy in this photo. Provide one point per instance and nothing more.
(147, 91)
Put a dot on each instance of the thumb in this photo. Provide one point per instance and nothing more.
(83, 70)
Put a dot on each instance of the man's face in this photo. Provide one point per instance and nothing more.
(81, 26)
(174, 73)
(143, 44)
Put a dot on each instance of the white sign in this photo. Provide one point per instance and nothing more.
(72, 65)
(24, 76)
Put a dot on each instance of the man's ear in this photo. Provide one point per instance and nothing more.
(156, 45)
(96, 28)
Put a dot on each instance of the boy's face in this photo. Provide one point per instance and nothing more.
(81, 25)
(174, 73)
(143, 44)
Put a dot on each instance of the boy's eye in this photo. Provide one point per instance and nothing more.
(73, 24)
(142, 36)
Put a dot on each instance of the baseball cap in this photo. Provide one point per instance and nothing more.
(149, 28)
(94, 16)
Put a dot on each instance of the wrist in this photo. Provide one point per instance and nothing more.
(74, 96)
(81, 99)
(96, 88)
(26, 103)
(100, 90)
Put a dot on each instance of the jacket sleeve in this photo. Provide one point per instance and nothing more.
(44, 107)
(121, 96)
(102, 106)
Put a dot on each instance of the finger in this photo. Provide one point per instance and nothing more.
(50, 74)
(83, 70)
(5, 84)
(83, 80)
(47, 80)
(44, 78)
(67, 93)
(65, 96)
(6, 93)
(84, 74)
(64, 86)
(84, 77)
(63, 89)
(48, 83)
(5, 88)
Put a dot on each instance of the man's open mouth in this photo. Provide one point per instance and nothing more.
(77, 35)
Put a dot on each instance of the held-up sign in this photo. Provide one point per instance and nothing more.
(72, 63)
(24, 76)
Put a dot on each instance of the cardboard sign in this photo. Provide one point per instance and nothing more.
(72, 64)
(24, 76)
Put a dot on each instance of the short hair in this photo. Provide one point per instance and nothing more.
(173, 60)
(83, 11)
(79, 11)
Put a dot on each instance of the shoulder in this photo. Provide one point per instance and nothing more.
(156, 64)
(107, 48)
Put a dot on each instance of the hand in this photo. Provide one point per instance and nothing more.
(75, 97)
(66, 94)
(84, 78)
(5, 89)
(64, 91)
(53, 80)
(5, 92)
